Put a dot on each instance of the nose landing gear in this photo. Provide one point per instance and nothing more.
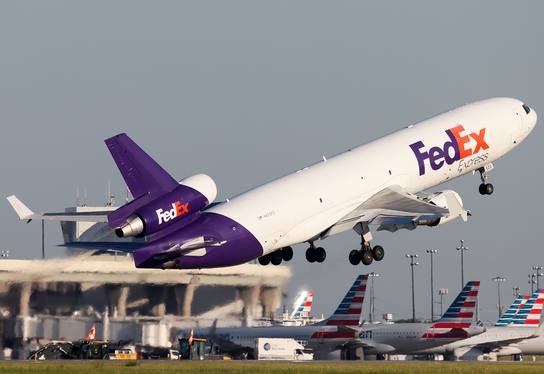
(485, 188)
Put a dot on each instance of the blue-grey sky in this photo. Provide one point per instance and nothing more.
(249, 91)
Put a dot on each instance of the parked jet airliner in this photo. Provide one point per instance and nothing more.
(373, 184)
(521, 335)
(456, 324)
(338, 329)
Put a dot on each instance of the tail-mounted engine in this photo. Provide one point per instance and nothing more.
(144, 216)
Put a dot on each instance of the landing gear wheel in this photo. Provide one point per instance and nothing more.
(287, 253)
(275, 258)
(366, 257)
(354, 257)
(486, 189)
(310, 254)
(265, 260)
(378, 253)
(489, 189)
(320, 254)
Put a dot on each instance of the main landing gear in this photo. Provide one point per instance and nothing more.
(366, 254)
(485, 188)
(283, 254)
(314, 254)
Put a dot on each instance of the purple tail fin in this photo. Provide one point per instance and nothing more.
(142, 174)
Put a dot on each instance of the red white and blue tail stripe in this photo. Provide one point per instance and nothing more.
(529, 313)
(458, 317)
(506, 318)
(461, 311)
(303, 305)
(348, 312)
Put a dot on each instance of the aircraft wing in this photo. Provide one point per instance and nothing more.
(24, 213)
(394, 208)
(498, 344)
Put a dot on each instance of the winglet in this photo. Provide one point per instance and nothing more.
(538, 331)
(21, 209)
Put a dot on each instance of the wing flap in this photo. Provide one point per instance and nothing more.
(390, 206)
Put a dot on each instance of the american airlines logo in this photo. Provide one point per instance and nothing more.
(177, 210)
(453, 150)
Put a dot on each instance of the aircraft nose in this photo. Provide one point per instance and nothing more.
(532, 119)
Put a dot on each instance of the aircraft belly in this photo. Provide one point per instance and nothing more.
(237, 245)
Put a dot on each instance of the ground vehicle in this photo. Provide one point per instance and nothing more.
(278, 349)
(82, 350)
(195, 350)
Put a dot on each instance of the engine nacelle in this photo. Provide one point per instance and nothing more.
(440, 199)
(189, 197)
(473, 354)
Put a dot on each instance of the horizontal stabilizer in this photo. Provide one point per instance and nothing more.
(24, 213)
(126, 247)
(21, 209)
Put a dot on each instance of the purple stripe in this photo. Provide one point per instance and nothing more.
(240, 247)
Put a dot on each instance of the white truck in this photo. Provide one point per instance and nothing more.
(279, 349)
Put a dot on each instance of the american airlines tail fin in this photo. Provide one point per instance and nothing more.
(461, 311)
(348, 312)
(303, 305)
(529, 313)
(506, 318)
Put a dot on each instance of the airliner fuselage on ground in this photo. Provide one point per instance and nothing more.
(456, 324)
(521, 334)
(373, 184)
(340, 328)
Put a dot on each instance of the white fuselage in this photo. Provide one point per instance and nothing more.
(492, 338)
(313, 338)
(299, 206)
(401, 338)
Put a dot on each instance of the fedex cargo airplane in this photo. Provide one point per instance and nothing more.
(373, 184)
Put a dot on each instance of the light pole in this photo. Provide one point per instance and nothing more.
(516, 291)
(372, 296)
(499, 280)
(531, 282)
(462, 248)
(537, 268)
(431, 251)
(442, 292)
(412, 264)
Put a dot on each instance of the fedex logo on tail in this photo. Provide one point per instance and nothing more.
(177, 210)
(453, 150)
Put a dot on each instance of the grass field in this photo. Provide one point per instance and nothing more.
(272, 368)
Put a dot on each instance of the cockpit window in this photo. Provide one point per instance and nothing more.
(527, 109)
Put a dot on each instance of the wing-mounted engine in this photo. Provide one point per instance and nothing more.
(145, 215)
(449, 200)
